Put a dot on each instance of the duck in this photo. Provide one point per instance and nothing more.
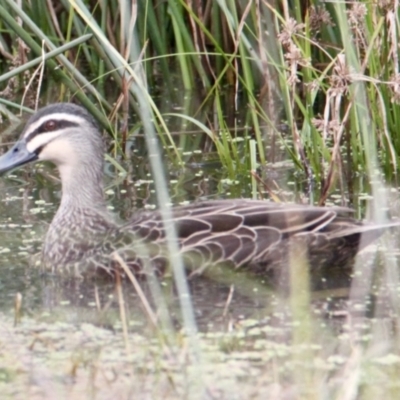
(240, 234)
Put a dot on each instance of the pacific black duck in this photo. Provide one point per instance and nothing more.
(238, 233)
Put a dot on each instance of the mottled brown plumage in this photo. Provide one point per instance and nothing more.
(241, 234)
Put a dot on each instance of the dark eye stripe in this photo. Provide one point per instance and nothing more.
(61, 124)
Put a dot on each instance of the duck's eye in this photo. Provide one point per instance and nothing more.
(50, 125)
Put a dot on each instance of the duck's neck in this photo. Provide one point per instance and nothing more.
(82, 186)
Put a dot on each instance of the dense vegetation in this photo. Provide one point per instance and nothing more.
(327, 71)
(322, 76)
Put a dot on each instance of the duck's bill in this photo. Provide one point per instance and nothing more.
(18, 155)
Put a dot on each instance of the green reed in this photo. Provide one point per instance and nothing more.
(286, 64)
(328, 72)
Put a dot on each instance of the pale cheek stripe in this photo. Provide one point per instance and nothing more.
(56, 117)
(60, 150)
(42, 139)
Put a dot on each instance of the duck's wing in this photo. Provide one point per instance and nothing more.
(239, 231)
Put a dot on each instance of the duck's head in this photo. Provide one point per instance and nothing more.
(63, 133)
